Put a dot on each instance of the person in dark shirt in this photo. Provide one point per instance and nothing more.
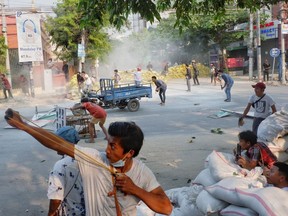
(188, 77)
(65, 70)
(161, 88)
(196, 73)
(228, 83)
(266, 69)
(256, 154)
(80, 81)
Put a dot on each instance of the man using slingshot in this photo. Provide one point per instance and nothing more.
(113, 181)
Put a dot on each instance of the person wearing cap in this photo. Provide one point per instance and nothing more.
(65, 188)
(228, 83)
(138, 77)
(261, 103)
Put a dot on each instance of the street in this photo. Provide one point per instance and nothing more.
(177, 140)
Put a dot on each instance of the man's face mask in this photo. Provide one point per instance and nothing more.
(120, 163)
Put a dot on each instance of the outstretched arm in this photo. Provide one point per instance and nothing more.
(45, 137)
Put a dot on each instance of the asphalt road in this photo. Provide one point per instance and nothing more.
(169, 149)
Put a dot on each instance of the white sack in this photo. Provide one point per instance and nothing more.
(223, 166)
(182, 196)
(144, 210)
(207, 204)
(279, 144)
(192, 211)
(226, 189)
(281, 156)
(233, 210)
(269, 201)
(204, 178)
(272, 127)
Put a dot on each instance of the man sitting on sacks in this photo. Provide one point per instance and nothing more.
(257, 153)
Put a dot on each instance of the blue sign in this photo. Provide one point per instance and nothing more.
(274, 52)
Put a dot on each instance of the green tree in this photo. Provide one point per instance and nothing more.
(3, 51)
(66, 32)
(118, 10)
(195, 39)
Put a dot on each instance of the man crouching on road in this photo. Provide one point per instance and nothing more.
(134, 183)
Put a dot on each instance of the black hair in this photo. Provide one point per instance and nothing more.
(154, 77)
(248, 136)
(84, 100)
(283, 169)
(129, 134)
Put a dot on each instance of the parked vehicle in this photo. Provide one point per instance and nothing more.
(125, 95)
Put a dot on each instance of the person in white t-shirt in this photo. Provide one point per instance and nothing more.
(87, 81)
(138, 77)
(65, 188)
(133, 180)
(261, 103)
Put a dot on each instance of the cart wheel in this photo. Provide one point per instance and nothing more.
(133, 105)
(122, 106)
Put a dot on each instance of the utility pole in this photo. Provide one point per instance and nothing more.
(32, 88)
(259, 65)
(250, 51)
(283, 51)
(4, 32)
(81, 51)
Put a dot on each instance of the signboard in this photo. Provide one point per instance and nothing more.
(274, 52)
(269, 33)
(285, 29)
(81, 50)
(268, 30)
(29, 37)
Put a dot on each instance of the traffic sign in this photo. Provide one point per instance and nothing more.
(274, 52)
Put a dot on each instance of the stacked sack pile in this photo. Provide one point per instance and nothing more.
(224, 188)
(273, 131)
(179, 71)
(128, 76)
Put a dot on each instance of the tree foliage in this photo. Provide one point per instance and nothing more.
(195, 39)
(65, 32)
(3, 51)
(118, 10)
